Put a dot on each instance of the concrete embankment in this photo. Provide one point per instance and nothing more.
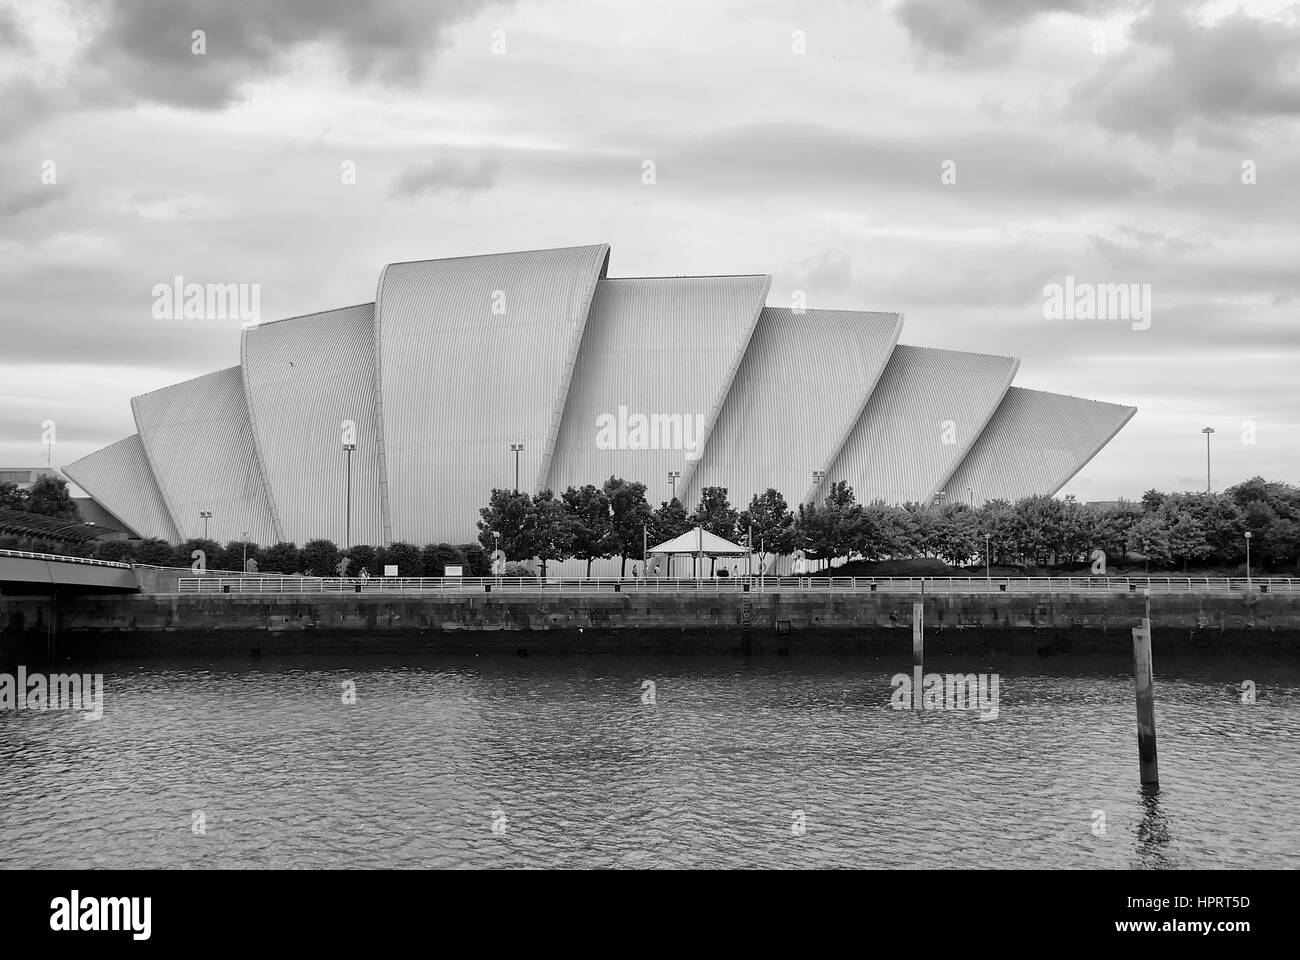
(760, 623)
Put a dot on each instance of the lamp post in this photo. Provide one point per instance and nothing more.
(987, 576)
(970, 495)
(1248, 561)
(244, 568)
(672, 483)
(347, 505)
(516, 449)
(938, 497)
(1207, 431)
(205, 516)
(818, 477)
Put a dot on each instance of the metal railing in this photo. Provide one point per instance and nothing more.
(62, 559)
(271, 584)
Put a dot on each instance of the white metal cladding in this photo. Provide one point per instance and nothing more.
(304, 377)
(119, 479)
(1035, 443)
(898, 451)
(804, 380)
(655, 347)
(200, 447)
(457, 383)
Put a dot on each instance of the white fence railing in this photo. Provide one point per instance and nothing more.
(23, 554)
(269, 584)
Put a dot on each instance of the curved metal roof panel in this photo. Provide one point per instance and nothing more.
(1034, 444)
(473, 354)
(119, 479)
(926, 411)
(801, 386)
(304, 377)
(199, 444)
(656, 362)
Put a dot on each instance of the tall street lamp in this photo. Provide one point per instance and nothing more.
(205, 516)
(970, 495)
(244, 569)
(673, 476)
(987, 575)
(1207, 431)
(1247, 561)
(347, 509)
(516, 449)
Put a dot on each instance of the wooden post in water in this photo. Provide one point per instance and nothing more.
(1143, 681)
(918, 652)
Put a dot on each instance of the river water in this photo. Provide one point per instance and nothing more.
(559, 762)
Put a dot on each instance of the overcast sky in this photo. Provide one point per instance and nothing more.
(1100, 140)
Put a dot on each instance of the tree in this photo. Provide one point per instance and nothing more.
(629, 516)
(436, 557)
(231, 556)
(405, 557)
(770, 522)
(49, 497)
(477, 563)
(183, 555)
(956, 533)
(1152, 499)
(510, 515)
(840, 519)
(999, 522)
(1150, 537)
(668, 522)
(280, 558)
(154, 552)
(716, 515)
(553, 535)
(119, 551)
(1111, 526)
(363, 557)
(592, 526)
(11, 497)
(320, 558)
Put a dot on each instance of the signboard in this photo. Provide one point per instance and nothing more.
(390, 569)
(453, 571)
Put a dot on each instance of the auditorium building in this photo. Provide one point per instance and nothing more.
(392, 420)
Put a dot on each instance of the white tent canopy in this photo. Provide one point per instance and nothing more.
(700, 541)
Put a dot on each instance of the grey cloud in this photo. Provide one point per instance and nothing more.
(24, 104)
(10, 36)
(982, 31)
(447, 174)
(832, 271)
(146, 46)
(1183, 75)
(29, 200)
(806, 158)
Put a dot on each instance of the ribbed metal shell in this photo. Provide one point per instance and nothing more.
(200, 447)
(456, 384)
(896, 450)
(655, 346)
(303, 377)
(119, 479)
(801, 385)
(1034, 444)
